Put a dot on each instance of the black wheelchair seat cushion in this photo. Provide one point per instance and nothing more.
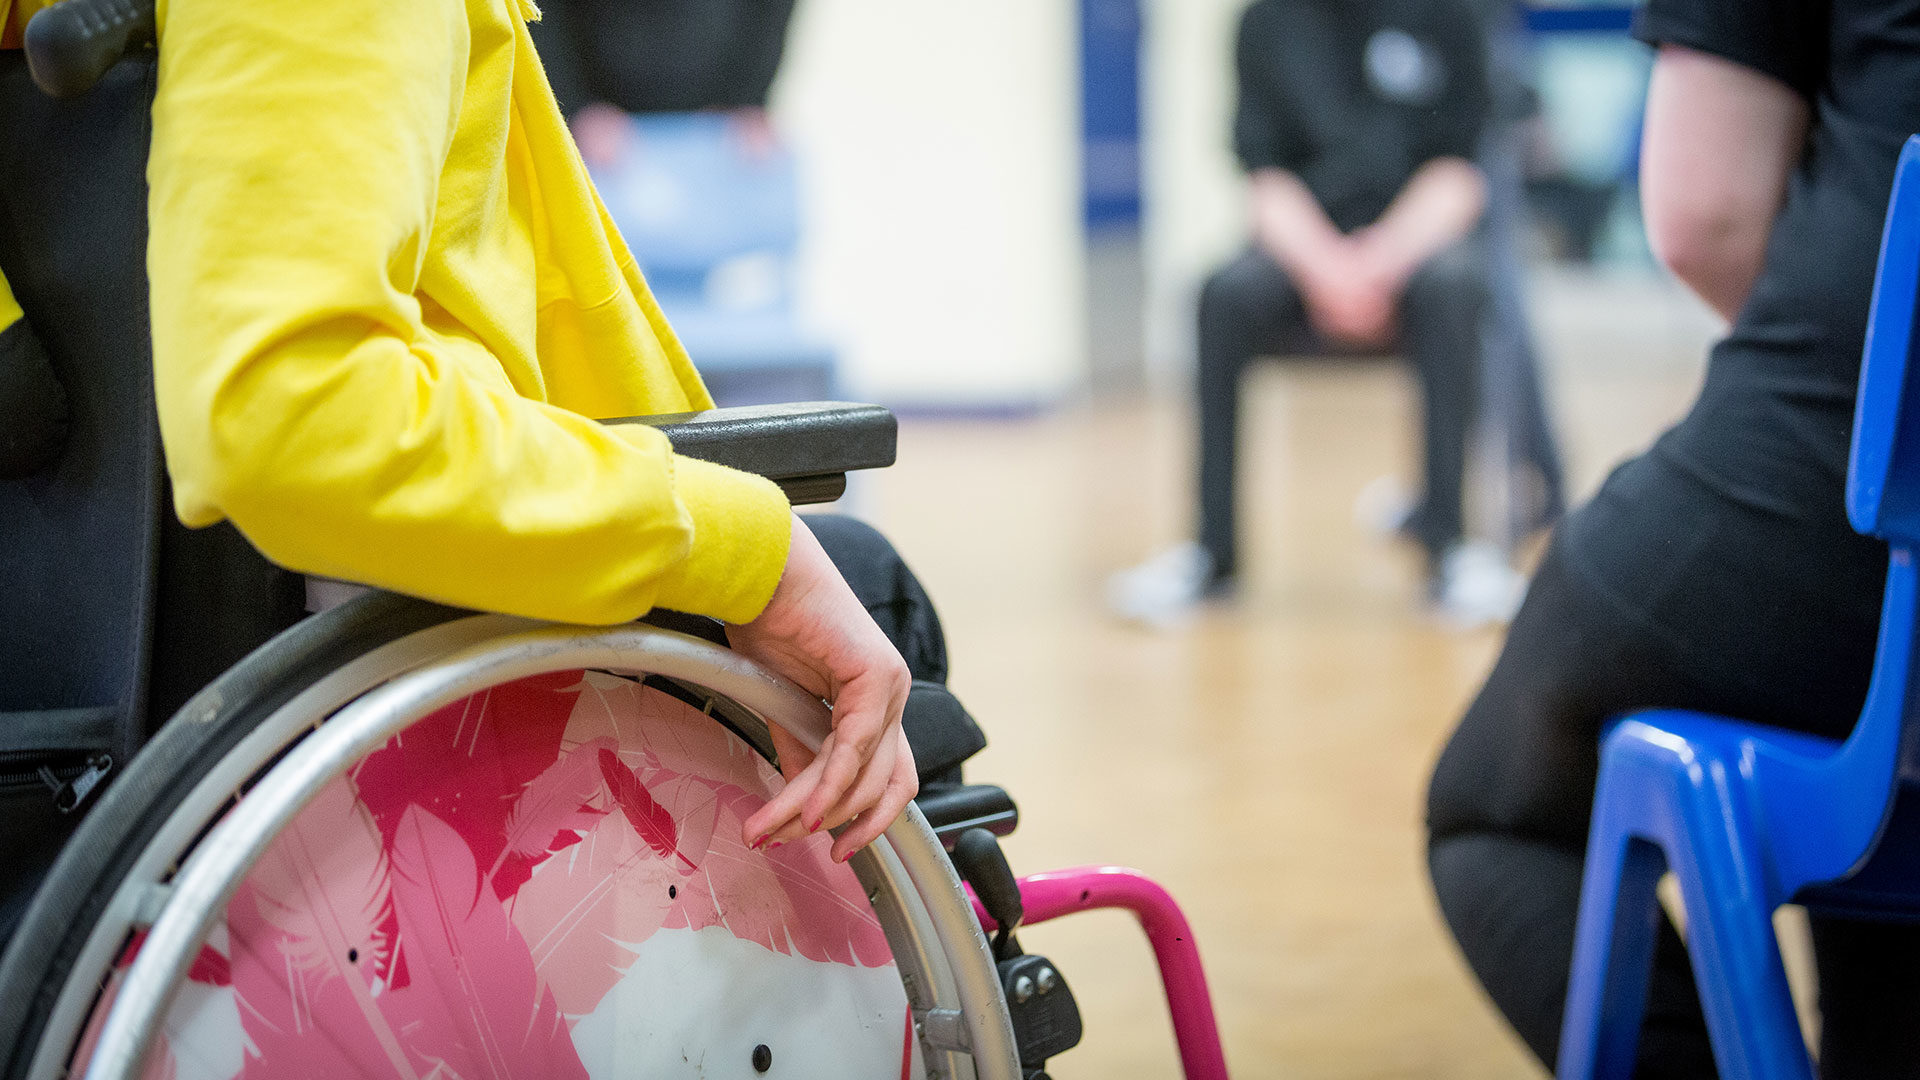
(33, 404)
(888, 589)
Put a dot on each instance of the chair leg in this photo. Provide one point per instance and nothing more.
(1613, 954)
(1736, 957)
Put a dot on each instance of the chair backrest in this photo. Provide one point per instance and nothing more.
(693, 195)
(78, 542)
(111, 612)
(1876, 778)
(1883, 479)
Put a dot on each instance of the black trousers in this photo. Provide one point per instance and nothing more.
(1717, 572)
(1251, 308)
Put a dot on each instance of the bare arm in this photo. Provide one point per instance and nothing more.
(1288, 223)
(1721, 140)
(1440, 203)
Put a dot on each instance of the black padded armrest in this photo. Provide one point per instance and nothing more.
(952, 809)
(806, 447)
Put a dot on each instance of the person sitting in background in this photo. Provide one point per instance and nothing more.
(1358, 122)
(1717, 571)
(609, 58)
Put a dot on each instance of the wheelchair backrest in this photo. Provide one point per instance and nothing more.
(111, 612)
(78, 542)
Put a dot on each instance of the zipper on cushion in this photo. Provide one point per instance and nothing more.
(69, 777)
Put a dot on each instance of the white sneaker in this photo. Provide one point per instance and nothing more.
(1475, 587)
(1164, 590)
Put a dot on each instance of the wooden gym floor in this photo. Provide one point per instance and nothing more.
(1267, 763)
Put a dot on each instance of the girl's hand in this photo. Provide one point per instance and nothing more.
(816, 634)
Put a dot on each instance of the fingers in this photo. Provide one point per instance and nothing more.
(900, 789)
(779, 820)
(866, 711)
(875, 786)
(794, 755)
(782, 819)
(870, 785)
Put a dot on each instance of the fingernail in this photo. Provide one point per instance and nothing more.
(757, 844)
(815, 827)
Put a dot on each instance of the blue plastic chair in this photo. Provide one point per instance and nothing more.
(1750, 817)
(714, 224)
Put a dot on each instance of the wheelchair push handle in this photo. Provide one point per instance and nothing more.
(72, 43)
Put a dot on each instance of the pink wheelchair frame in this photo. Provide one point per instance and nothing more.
(1050, 895)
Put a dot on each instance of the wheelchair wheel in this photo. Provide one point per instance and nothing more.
(410, 841)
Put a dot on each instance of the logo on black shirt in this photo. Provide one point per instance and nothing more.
(1402, 69)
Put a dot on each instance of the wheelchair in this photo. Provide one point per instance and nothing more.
(400, 839)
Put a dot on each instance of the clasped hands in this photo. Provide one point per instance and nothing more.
(1352, 287)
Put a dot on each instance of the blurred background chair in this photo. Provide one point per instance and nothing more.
(711, 210)
(1750, 817)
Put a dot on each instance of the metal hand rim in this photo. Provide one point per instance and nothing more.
(218, 864)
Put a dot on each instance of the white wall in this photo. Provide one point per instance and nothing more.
(1195, 198)
(939, 150)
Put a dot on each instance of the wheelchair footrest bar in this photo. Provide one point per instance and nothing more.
(1064, 892)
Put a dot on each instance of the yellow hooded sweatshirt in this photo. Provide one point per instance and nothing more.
(387, 304)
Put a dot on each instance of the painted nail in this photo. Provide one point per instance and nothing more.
(757, 844)
(815, 827)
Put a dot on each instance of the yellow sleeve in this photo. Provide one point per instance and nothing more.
(9, 307)
(13, 20)
(297, 148)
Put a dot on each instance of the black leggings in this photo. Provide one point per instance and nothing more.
(1717, 572)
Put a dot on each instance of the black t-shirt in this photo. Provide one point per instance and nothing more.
(662, 55)
(1353, 96)
(1727, 542)
(1796, 344)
